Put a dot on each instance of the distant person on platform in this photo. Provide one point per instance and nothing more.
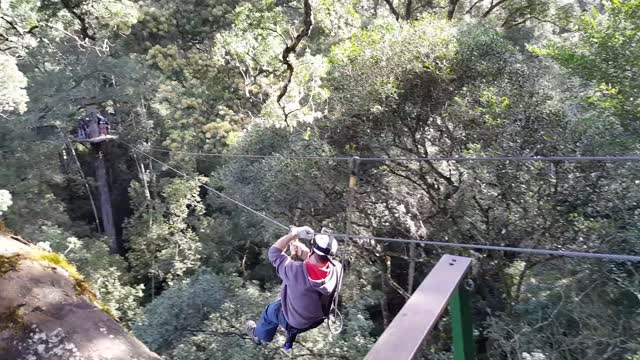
(308, 286)
(82, 128)
(103, 125)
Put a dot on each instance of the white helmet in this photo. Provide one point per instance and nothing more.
(324, 244)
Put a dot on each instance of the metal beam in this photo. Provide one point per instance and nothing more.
(408, 330)
(460, 305)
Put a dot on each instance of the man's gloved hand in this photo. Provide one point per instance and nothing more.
(302, 232)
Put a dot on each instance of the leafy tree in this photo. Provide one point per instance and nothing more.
(606, 55)
(223, 334)
(162, 240)
(5, 200)
(180, 310)
(333, 78)
(13, 94)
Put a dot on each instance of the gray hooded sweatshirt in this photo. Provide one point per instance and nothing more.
(302, 297)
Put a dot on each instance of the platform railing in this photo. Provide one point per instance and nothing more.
(412, 326)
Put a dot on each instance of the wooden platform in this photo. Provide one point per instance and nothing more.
(404, 336)
(97, 139)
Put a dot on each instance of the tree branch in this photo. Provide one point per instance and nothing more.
(397, 287)
(393, 9)
(493, 7)
(473, 6)
(392, 282)
(532, 17)
(84, 28)
(306, 30)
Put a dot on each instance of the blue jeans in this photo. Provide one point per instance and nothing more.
(271, 318)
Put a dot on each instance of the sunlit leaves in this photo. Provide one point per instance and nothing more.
(163, 244)
(13, 96)
(607, 52)
(180, 311)
(5, 200)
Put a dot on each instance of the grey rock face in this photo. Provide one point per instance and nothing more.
(43, 317)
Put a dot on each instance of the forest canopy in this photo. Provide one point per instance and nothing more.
(183, 90)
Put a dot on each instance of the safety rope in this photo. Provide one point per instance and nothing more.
(392, 159)
(577, 254)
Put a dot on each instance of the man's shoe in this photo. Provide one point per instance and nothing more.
(250, 327)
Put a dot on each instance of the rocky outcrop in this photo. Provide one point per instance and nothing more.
(47, 312)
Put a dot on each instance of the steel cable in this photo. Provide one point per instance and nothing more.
(627, 158)
(577, 254)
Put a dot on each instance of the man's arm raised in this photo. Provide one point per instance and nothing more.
(284, 241)
(278, 258)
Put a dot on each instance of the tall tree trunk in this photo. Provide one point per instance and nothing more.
(86, 184)
(74, 155)
(412, 268)
(384, 305)
(105, 201)
(354, 165)
(154, 184)
(451, 9)
(408, 9)
(291, 49)
(142, 174)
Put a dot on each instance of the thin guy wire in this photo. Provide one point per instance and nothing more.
(275, 222)
(603, 256)
(387, 159)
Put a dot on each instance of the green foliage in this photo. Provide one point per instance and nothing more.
(382, 57)
(180, 310)
(13, 95)
(223, 334)
(162, 240)
(204, 76)
(9, 263)
(606, 55)
(568, 313)
(5, 200)
(186, 22)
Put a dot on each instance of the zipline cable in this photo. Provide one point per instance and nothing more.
(273, 221)
(251, 156)
(390, 159)
(604, 256)
(577, 254)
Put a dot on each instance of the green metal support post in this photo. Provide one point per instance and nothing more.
(460, 305)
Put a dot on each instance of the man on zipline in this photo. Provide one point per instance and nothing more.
(308, 287)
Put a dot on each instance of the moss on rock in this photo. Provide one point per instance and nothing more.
(9, 263)
(81, 286)
(12, 320)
